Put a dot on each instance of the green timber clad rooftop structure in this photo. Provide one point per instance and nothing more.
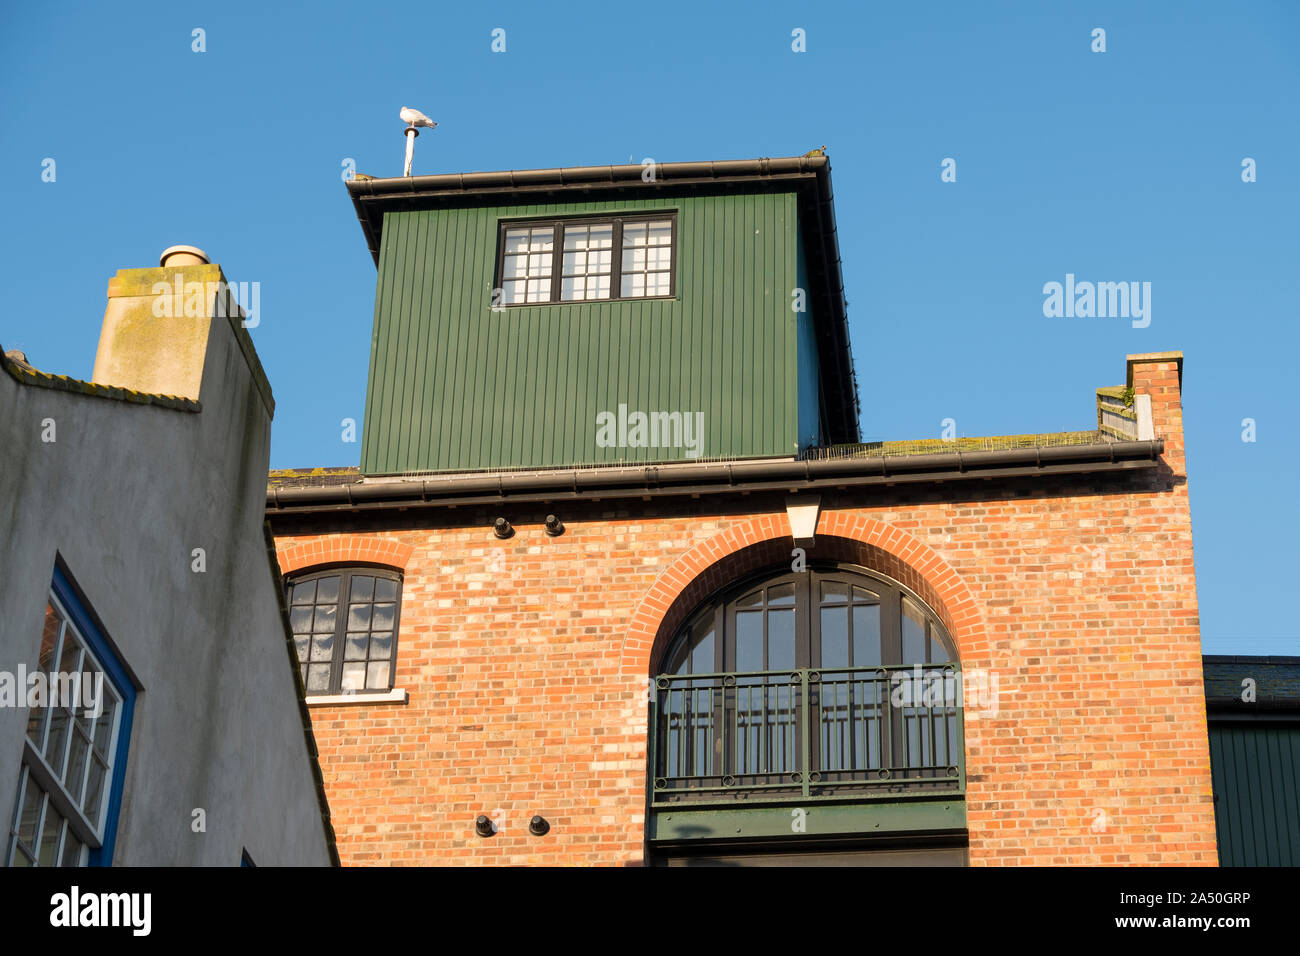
(518, 313)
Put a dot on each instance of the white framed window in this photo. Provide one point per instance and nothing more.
(587, 260)
(69, 790)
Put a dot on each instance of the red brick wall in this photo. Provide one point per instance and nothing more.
(526, 662)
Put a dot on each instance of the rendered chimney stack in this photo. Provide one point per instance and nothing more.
(157, 324)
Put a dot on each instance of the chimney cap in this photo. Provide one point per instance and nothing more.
(191, 252)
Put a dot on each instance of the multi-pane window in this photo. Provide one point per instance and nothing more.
(344, 624)
(587, 260)
(75, 746)
(647, 259)
(527, 260)
(833, 675)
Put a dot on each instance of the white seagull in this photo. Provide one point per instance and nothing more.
(415, 118)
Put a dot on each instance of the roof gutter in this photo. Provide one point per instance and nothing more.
(367, 193)
(695, 479)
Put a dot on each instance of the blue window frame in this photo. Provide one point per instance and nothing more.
(78, 738)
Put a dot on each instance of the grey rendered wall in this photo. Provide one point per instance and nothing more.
(124, 495)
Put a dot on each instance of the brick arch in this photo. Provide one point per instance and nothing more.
(344, 549)
(765, 541)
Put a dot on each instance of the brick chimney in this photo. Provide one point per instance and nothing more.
(1156, 379)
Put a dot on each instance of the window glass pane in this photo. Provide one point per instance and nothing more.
(304, 593)
(363, 587)
(75, 775)
(36, 718)
(381, 646)
(516, 240)
(50, 833)
(324, 619)
(359, 617)
(834, 592)
(866, 636)
(914, 639)
(385, 589)
(354, 676)
(377, 676)
(303, 646)
(835, 636)
(327, 590)
(71, 850)
(356, 649)
(322, 647)
(95, 789)
(749, 640)
(780, 639)
(862, 594)
(104, 724)
(543, 239)
(70, 655)
(300, 619)
(938, 653)
(781, 595)
(702, 656)
(382, 617)
(318, 678)
(58, 737)
(30, 811)
(512, 292)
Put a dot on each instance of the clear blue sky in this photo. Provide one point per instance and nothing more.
(1123, 165)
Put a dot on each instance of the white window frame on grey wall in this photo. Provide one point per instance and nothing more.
(62, 815)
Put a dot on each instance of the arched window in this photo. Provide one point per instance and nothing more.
(830, 682)
(344, 623)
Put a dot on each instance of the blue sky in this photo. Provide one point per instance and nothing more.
(1122, 165)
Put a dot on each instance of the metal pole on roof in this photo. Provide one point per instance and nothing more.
(412, 118)
(411, 133)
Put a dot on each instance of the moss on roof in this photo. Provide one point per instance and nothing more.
(62, 383)
(940, 446)
(304, 477)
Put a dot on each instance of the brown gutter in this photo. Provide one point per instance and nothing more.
(650, 481)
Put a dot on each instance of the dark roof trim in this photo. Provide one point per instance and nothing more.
(810, 176)
(778, 475)
(1277, 686)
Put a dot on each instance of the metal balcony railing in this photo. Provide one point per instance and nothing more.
(806, 734)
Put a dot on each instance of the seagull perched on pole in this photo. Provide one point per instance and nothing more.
(415, 118)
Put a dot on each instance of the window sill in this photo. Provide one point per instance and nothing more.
(396, 696)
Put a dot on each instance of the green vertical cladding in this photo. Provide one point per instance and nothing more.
(809, 376)
(1256, 773)
(456, 386)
